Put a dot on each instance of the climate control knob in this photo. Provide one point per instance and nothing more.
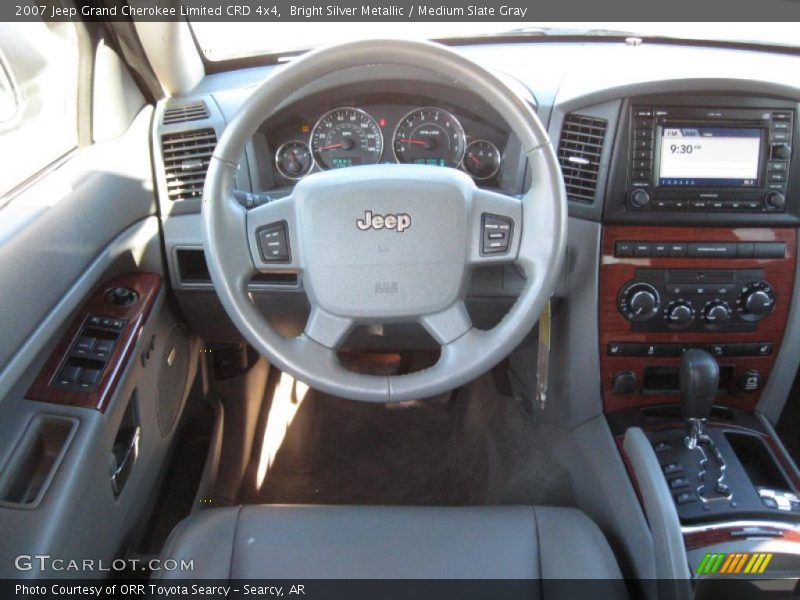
(679, 314)
(756, 302)
(716, 313)
(638, 302)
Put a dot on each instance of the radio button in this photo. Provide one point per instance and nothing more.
(775, 200)
(776, 176)
(699, 204)
(777, 165)
(640, 198)
(780, 138)
(641, 249)
(781, 151)
(781, 126)
(643, 165)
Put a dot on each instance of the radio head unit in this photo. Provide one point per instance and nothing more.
(718, 159)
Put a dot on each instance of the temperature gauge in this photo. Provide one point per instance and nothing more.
(481, 159)
(293, 159)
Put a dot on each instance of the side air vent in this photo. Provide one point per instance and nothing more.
(579, 155)
(182, 113)
(186, 157)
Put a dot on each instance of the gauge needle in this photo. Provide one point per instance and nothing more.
(332, 146)
(417, 142)
(475, 161)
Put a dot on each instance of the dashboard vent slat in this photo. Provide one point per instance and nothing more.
(579, 153)
(186, 158)
(183, 113)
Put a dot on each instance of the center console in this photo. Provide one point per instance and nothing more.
(697, 272)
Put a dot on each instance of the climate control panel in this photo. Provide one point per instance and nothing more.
(719, 300)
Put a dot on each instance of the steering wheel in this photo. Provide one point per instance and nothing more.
(385, 243)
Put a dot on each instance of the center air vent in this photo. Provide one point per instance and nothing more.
(186, 157)
(182, 113)
(579, 155)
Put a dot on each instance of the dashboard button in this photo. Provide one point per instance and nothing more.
(700, 249)
(623, 249)
(769, 250)
(677, 249)
(273, 241)
(642, 249)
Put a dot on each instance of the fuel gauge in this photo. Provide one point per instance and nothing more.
(293, 159)
(481, 159)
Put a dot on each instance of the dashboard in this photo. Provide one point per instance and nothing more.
(682, 188)
(362, 125)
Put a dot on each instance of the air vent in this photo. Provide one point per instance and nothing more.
(186, 157)
(579, 155)
(194, 111)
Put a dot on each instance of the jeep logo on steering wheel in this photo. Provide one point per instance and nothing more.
(399, 221)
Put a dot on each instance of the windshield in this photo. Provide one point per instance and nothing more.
(222, 41)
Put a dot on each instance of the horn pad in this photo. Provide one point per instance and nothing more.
(384, 242)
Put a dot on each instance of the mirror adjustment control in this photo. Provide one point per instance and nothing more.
(496, 232)
(273, 241)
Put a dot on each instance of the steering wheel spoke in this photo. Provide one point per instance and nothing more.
(327, 329)
(273, 236)
(496, 228)
(448, 325)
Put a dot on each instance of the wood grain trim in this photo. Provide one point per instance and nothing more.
(713, 536)
(615, 272)
(147, 286)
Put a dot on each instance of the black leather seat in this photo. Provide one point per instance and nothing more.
(352, 542)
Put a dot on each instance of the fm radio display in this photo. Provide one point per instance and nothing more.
(709, 156)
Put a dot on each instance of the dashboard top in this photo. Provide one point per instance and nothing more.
(597, 80)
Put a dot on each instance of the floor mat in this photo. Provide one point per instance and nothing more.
(470, 448)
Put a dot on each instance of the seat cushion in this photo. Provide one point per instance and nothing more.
(352, 542)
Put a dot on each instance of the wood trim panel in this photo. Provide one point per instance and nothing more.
(147, 286)
(713, 536)
(615, 272)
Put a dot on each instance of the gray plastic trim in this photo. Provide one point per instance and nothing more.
(670, 553)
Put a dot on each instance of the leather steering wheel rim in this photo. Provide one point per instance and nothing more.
(537, 238)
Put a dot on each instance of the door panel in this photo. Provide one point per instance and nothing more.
(62, 240)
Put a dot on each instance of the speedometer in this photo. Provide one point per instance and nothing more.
(429, 136)
(346, 137)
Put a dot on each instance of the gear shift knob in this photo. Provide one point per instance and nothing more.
(699, 380)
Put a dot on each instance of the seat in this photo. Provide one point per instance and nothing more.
(374, 542)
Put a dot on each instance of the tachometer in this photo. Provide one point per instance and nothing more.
(346, 137)
(429, 136)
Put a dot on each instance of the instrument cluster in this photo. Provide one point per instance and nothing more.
(350, 136)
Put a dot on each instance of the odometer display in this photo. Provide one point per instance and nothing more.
(346, 137)
(429, 136)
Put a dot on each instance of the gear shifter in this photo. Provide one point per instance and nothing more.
(699, 380)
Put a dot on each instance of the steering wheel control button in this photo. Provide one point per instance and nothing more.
(273, 241)
(496, 234)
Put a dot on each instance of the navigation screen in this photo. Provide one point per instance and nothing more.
(709, 156)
